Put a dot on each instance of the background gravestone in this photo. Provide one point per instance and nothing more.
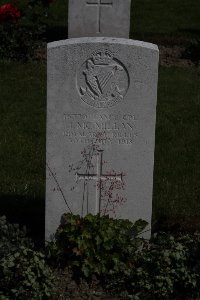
(88, 18)
(101, 115)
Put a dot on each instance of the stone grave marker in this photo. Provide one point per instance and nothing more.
(101, 113)
(93, 18)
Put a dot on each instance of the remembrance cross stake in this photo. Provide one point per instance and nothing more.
(99, 177)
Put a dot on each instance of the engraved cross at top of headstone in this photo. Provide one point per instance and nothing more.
(95, 18)
(99, 4)
(99, 177)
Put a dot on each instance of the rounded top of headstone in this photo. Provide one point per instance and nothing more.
(100, 40)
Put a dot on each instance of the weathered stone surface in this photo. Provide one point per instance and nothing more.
(101, 113)
(93, 18)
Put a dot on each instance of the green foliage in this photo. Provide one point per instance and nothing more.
(22, 37)
(168, 267)
(23, 272)
(12, 237)
(96, 245)
(162, 268)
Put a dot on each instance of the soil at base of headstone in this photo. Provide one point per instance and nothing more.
(174, 56)
(69, 289)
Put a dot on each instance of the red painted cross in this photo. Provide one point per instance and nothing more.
(99, 177)
(99, 4)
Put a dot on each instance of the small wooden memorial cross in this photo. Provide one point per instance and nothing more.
(99, 177)
(99, 4)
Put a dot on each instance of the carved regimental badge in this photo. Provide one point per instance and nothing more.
(102, 80)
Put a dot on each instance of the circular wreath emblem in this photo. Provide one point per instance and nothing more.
(102, 80)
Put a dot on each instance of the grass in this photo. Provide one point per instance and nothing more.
(171, 17)
(177, 156)
(22, 151)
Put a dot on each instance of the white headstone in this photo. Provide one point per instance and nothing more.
(93, 18)
(101, 113)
